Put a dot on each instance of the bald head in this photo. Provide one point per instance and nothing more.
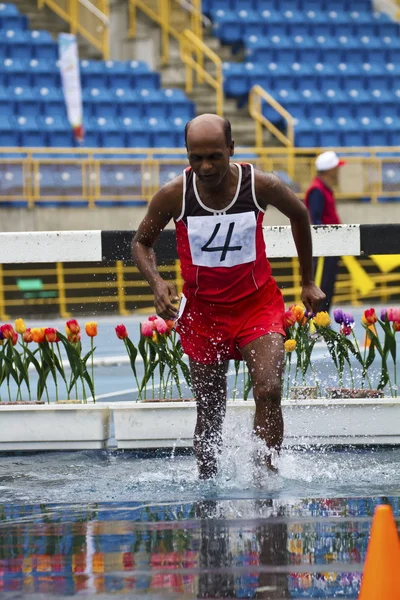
(208, 127)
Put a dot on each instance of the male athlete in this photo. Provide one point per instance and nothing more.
(231, 307)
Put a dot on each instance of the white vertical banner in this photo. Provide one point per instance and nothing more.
(71, 82)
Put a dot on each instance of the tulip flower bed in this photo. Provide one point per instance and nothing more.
(163, 366)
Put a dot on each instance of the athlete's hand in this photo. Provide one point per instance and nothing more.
(165, 296)
(312, 296)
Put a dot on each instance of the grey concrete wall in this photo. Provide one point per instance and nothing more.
(69, 219)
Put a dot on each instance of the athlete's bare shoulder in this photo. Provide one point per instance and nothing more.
(168, 199)
(269, 189)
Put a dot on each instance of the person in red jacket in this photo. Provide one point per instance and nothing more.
(321, 205)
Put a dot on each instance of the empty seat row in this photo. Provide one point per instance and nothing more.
(300, 76)
(339, 5)
(335, 104)
(99, 132)
(11, 18)
(46, 72)
(167, 103)
(365, 131)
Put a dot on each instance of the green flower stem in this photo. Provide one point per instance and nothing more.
(54, 365)
(288, 375)
(45, 384)
(61, 364)
(84, 397)
(27, 372)
(365, 372)
(92, 361)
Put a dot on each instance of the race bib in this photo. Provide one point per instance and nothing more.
(222, 240)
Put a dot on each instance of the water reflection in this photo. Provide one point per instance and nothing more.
(210, 549)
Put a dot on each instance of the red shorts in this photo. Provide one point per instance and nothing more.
(212, 333)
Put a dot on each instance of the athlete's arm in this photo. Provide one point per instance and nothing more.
(165, 205)
(270, 190)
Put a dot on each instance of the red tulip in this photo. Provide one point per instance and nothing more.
(290, 319)
(121, 332)
(152, 318)
(27, 336)
(369, 317)
(50, 333)
(147, 328)
(345, 329)
(8, 331)
(72, 326)
(14, 338)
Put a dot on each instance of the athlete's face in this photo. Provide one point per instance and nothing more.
(209, 155)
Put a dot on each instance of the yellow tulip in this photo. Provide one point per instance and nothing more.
(322, 319)
(290, 345)
(20, 326)
(298, 312)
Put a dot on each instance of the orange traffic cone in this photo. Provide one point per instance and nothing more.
(381, 577)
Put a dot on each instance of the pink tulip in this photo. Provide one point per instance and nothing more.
(147, 328)
(161, 326)
(393, 314)
(152, 318)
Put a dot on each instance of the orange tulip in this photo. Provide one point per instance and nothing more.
(298, 312)
(396, 325)
(50, 334)
(170, 323)
(91, 328)
(38, 334)
(14, 338)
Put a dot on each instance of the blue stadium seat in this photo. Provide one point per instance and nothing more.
(236, 82)
(17, 43)
(107, 131)
(14, 72)
(154, 104)
(25, 102)
(29, 132)
(178, 126)
(52, 101)
(291, 100)
(11, 18)
(145, 80)
(99, 103)
(130, 103)
(179, 106)
(117, 73)
(57, 130)
(6, 104)
(161, 134)
(305, 136)
(136, 134)
(44, 47)
(93, 74)
(391, 128)
(8, 134)
(44, 73)
(350, 131)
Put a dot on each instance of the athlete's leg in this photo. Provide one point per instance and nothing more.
(209, 387)
(265, 359)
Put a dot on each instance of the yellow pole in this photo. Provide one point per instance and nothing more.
(62, 300)
(3, 315)
(73, 15)
(178, 276)
(296, 278)
(132, 18)
(164, 12)
(119, 268)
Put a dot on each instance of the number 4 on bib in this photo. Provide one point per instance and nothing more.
(222, 240)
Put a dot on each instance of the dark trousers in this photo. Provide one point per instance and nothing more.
(329, 275)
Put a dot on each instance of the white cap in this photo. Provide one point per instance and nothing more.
(328, 160)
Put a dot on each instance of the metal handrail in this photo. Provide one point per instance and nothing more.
(256, 96)
(71, 15)
(192, 45)
(95, 11)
